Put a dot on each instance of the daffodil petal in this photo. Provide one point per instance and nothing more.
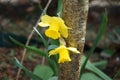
(52, 52)
(56, 24)
(42, 24)
(46, 19)
(64, 56)
(62, 41)
(64, 30)
(52, 34)
(74, 50)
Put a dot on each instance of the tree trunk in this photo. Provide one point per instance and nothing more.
(75, 16)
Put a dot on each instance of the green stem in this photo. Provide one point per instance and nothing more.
(43, 39)
(59, 8)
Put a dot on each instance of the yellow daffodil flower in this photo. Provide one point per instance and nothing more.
(63, 52)
(56, 29)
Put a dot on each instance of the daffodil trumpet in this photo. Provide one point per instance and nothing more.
(63, 52)
(57, 27)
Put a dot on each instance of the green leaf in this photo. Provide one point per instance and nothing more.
(51, 62)
(107, 53)
(59, 8)
(116, 75)
(28, 73)
(101, 64)
(53, 78)
(53, 65)
(43, 39)
(52, 47)
(90, 76)
(94, 69)
(97, 39)
(54, 42)
(45, 72)
(38, 51)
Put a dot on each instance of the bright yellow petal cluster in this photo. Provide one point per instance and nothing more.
(56, 29)
(63, 52)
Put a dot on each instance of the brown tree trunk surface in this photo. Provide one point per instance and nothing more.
(75, 17)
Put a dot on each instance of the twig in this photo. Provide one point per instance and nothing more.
(29, 37)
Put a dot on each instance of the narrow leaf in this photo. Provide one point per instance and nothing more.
(52, 47)
(38, 51)
(94, 69)
(116, 75)
(90, 76)
(97, 39)
(59, 8)
(43, 39)
(101, 64)
(51, 62)
(28, 73)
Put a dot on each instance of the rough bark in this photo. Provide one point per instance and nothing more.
(75, 16)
